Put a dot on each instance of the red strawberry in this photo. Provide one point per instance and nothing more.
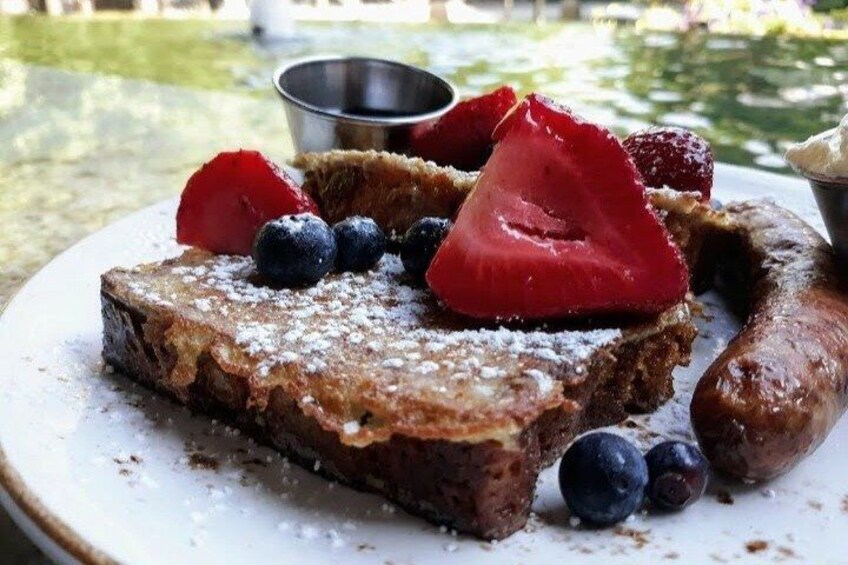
(557, 225)
(225, 203)
(462, 138)
(673, 157)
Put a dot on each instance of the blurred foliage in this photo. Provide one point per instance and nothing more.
(840, 16)
(827, 5)
(756, 17)
(179, 52)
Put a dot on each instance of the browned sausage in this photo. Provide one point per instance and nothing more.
(774, 394)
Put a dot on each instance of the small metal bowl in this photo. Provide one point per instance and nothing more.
(359, 103)
(832, 199)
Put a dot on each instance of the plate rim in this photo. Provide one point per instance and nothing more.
(21, 502)
(73, 546)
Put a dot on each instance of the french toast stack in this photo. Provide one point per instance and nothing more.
(367, 380)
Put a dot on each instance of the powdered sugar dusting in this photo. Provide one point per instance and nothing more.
(543, 381)
(257, 338)
(351, 427)
(296, 222)
(396, 336)
(149, 294)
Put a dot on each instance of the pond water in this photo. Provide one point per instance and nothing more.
(748, 96)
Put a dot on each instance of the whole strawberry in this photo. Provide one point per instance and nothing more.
(672, 157)
(462, 138)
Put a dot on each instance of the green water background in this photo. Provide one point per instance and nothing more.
(749, 96)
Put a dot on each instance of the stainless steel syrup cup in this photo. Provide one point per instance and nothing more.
(832, 199)
(359, 103)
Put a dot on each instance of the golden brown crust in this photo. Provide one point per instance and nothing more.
(392, 189)
(777, 390)
(701, 233)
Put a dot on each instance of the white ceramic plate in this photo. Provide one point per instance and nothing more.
(95, 467)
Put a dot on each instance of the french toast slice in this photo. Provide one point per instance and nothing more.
(397, 190)
(394, 190)
(368, 381)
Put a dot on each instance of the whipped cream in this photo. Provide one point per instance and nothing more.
(824, 155)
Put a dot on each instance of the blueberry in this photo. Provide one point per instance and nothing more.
(677, 475)
(716, 204)
(602, 478)
(295, 250)
(360, 242)
(420, 243)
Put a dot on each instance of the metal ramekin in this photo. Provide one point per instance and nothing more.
(832, 199)
(325, 98)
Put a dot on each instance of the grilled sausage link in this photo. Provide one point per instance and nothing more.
(775, 393)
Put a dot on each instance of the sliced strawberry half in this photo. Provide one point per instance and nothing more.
(225, 203)
(558, 225)
(462, 138)
(673, 157)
